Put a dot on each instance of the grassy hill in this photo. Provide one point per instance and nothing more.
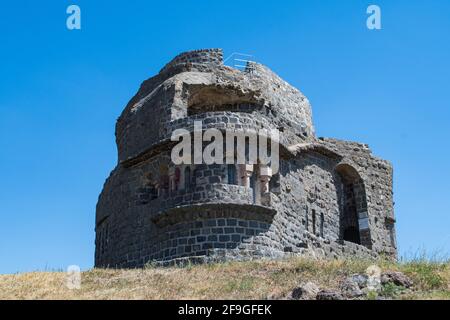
(233, 280)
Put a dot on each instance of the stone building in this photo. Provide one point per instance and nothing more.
(330, 198)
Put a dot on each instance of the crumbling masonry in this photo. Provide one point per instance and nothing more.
(330, 198)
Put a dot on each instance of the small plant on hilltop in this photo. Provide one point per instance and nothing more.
(372, 295)
(391, 290)
(428, 270)
(426, 274)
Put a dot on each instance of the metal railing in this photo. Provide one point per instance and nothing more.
(240, 61)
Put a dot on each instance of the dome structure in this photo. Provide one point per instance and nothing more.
(197, 82)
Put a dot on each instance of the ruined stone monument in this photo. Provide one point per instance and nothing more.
(330, 198)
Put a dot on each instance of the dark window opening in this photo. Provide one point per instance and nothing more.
(306, 219)
(349, 219)
(235, 107)
(352, 234)
(314, 221)
(352, 206)
(231, 173)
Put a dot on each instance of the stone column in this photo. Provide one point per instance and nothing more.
(265, 175)
(246, 171)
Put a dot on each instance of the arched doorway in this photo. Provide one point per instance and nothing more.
(353, 217)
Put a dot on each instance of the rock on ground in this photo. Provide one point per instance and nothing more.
(397, 278)
(350, 288)
(306, 291)
(329, 295)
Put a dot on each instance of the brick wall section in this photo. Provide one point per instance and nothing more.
(197, 238)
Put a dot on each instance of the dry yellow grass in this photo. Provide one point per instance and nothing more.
(234, 280)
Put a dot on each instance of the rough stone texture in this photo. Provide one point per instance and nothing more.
(359, 279)
(350, 288)
(329, 295)
(331, 198)
(307, 291)
(396, 278)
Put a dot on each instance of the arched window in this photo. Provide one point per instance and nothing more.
(231, 174)
(354, 220)
(187, 179)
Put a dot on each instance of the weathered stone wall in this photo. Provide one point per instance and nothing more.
(331, 198)
(377, 175)
(212, 57)
(183, 88)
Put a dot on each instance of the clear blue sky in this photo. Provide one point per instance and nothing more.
(61, 92)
